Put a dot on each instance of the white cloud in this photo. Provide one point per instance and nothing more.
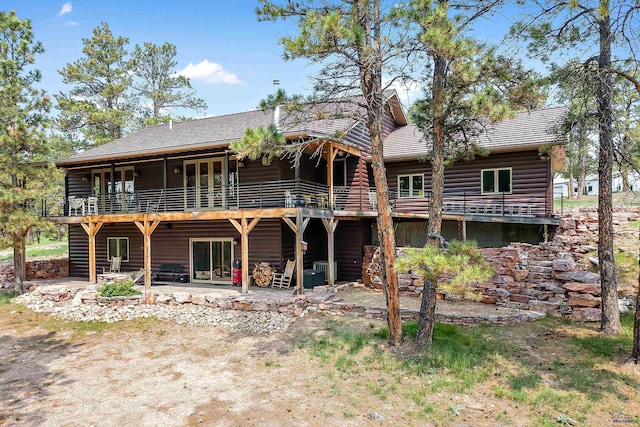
(66, 8)
(209, 72)
(71, 24)
(408, 91)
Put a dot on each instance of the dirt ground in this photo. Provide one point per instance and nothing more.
(153, 373)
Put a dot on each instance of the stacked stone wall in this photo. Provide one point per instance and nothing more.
(549, 277)
(35, 270)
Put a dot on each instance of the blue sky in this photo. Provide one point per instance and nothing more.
(231, 58)
(234, 58)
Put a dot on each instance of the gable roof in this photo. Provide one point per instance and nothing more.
(527, 130)
(219, 131)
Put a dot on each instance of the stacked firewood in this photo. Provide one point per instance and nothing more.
(263, 274)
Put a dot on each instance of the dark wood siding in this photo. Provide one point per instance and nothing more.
(350, 237)
(529, 172)
(170, 244)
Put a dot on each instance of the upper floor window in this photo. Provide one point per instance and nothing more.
(118, 246)
(340, 172)
(496, 180)
(411, 185)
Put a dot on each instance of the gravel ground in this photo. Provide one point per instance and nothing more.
(255, 322)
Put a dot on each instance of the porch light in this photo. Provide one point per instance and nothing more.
(177, 170)
(266, 161)
(136, 173)
(85, 178)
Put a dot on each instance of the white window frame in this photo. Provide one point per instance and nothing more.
(411, 195)
(496, 175)
(118, 248)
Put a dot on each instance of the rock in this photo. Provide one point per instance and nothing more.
(565, 265)
(579, 276)
(583, 288)
(376, 416)
(587, 314)
(583, 300)
(182, 297)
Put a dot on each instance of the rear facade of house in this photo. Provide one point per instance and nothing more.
(179, 190)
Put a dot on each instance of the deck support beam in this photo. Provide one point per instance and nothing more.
(298, 228)
(330, 225)
(244, 228)
(92, 228)
(147, 227)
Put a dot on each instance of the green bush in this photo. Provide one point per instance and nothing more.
(118, 289)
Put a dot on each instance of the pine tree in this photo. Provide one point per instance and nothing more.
(23, 115)
(156, 84)
(99, 107)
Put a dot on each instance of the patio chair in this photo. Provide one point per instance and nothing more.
(137, 276)
(283, 280)
(92, 205)
(154, 205)
(288, 199)
(116, 261)
(373, 201)
(75, 204)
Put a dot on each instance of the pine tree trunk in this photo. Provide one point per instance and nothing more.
(635, 352)
(18, 265)
(610, 312)
(426, 320)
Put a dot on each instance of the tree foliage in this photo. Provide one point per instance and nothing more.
(355, 43)
(603, 33)
(467, 86)
(99, 107)
(157, 84)
(113, 93)
(23, 118)
(462, 264)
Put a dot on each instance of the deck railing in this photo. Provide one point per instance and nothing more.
(288, 194)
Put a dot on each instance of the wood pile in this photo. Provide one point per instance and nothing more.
(263, 274)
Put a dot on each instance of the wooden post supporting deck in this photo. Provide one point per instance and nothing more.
(330, 225)
(244, 228)
(147, 228)
(92, 228)
(298, 228)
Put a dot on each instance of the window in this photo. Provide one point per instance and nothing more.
(496, 180)
(339, 172)
(411, 185)
(118, 246)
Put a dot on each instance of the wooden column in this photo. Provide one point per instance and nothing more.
(298, 228)
(92, 228)
(464, 230)
(330, 225)
(147, 227)
(331, 155)
(244, 228)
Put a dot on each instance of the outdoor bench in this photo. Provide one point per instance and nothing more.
(166, 270)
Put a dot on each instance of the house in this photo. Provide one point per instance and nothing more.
(591, 185)
(176, 195)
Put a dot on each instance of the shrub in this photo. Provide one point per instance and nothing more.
(118, 289)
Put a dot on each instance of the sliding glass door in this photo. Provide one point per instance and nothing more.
(211, 260)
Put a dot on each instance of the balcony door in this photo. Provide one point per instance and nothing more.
(123, 184)
(205, 186)
(211, 260)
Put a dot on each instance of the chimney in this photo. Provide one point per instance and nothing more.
(276, 117)
(170, 124)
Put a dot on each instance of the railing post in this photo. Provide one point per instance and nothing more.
(260, 195)
(561, 204)
(503, 195)
(464, 202)
(297, 191)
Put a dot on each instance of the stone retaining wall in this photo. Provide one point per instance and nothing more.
(54, 268)
(548, 277)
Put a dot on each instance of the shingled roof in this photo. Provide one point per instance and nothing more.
(527, 130)
(211, 132)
